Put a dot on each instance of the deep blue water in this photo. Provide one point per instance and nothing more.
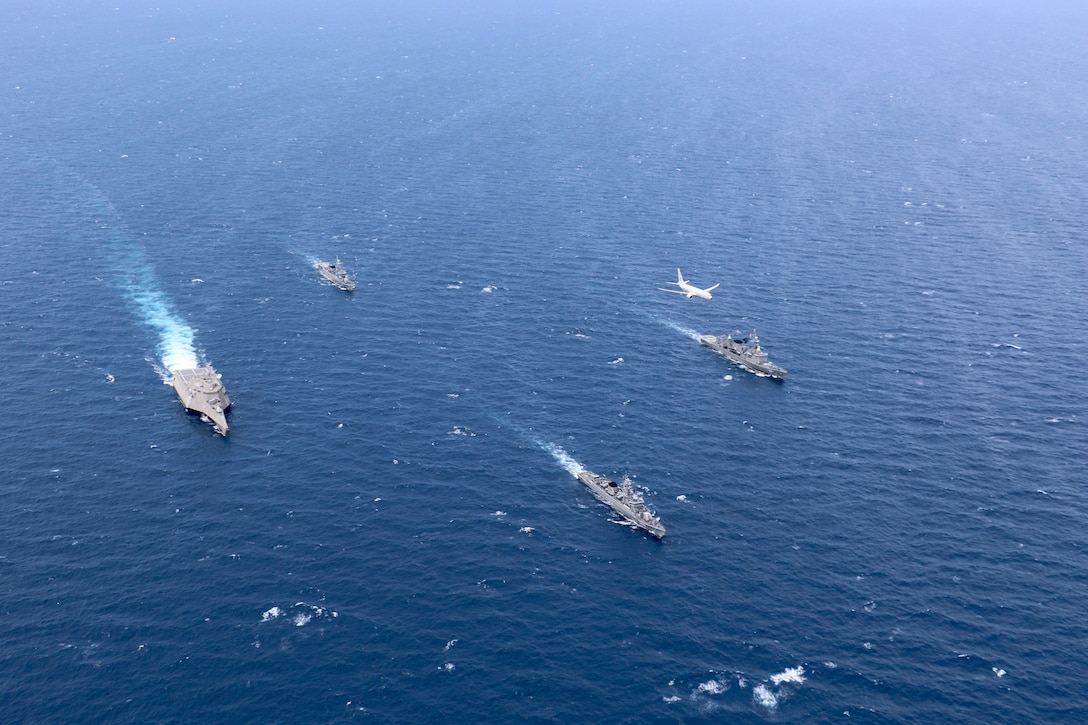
(894, 198)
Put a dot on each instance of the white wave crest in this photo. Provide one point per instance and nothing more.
(764, 697)
(792, 674)
(713, 687)
(302, 614)
(768, 698)
(272, 614)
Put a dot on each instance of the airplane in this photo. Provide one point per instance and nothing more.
(689, 289)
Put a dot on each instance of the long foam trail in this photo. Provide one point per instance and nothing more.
(562, 457)
(136, 277)
(675, 327)
(681, 329)
(175, 346)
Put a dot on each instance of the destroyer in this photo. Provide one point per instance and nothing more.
(336, 274)
(202, 392)
(625, 501)
(746, 352)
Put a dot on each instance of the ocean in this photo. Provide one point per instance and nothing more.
(891, 195)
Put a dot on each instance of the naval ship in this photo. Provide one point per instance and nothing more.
(333, 272)
(625, 501)
(202, 392)
(746, 352)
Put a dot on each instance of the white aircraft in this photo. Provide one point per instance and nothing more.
(689, 289)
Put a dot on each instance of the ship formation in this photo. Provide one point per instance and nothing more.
(202, 392)
(624, 500)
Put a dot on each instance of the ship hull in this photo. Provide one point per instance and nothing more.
(201, 391)
(734, 353)
(336, 276)
(601, 486)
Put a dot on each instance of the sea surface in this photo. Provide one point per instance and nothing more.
(892, 195)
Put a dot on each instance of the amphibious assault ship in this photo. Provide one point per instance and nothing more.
(336, 274)
(746, 352)
(624, 501)
(202, 392)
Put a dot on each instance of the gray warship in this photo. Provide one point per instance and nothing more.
(746, 352)
(333, 272)
(624, 501)
(202, 392)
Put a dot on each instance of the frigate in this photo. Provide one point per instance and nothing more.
(333, 272)
(744, 351)
(201, 391)
(624, 501)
